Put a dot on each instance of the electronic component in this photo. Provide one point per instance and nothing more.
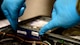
(30, 28)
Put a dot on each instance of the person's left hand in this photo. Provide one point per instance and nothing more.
(12, 9)
(64, 15)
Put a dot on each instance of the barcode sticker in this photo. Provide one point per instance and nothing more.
(22, 32)
(35, 33)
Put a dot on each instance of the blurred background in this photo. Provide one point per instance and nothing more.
(1, 13)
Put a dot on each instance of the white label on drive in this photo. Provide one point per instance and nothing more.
(35, 33)
(22, 32)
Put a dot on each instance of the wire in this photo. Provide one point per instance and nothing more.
(11, 35)
(6, 39)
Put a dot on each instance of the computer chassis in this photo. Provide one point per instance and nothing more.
(28, 30)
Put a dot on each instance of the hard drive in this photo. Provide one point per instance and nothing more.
(30, 28)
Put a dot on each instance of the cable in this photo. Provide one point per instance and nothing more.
(11, 35)
(6, 39)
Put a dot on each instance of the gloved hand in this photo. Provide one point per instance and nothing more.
(12, 9)
(64, 15)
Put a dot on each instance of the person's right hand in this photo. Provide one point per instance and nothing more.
(12, 9)
(64, 15)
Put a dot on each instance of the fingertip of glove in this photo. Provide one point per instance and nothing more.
(43, 30)
(41, 33)
(21, 11)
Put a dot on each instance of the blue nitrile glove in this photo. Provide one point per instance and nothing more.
(12, 9)
(64, 15)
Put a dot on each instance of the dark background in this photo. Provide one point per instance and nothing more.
(1, 13)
